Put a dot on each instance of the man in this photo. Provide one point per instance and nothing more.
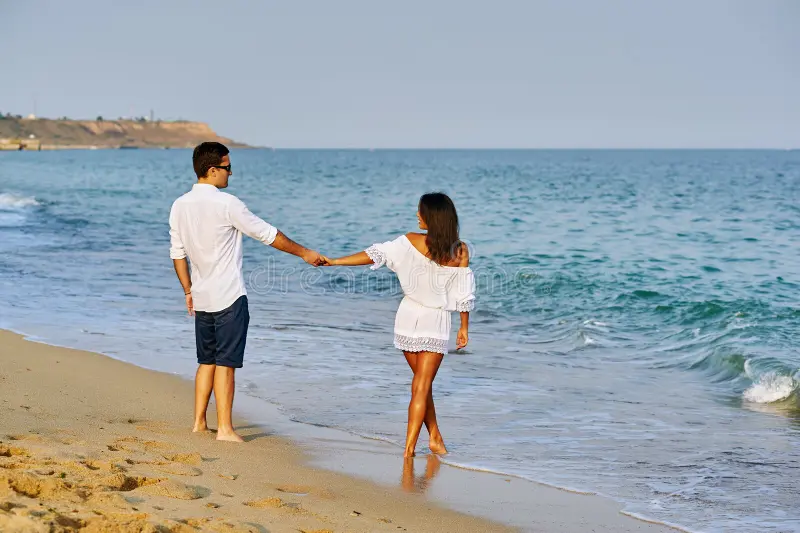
(206, 225)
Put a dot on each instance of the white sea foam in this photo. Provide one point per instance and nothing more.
(8, 200)
(770, 387)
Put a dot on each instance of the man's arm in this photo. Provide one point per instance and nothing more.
(182, 270)
(178, 254)
(252, 226)
(285, 244)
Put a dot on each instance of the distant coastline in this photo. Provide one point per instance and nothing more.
(17, 133)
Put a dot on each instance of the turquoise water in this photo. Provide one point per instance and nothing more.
(635, 326)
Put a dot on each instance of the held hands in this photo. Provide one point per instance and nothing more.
(326, 262)
(314, 258)
(462, 338)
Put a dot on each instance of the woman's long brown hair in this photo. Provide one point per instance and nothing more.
(439, 214)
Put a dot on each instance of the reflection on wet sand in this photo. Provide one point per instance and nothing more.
(410, 483)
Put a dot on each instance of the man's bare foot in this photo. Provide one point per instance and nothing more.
(437, 445)
(229, 436)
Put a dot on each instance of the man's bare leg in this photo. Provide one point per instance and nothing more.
(224, 386)
(203, 385)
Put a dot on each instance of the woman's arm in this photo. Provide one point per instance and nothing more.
(463, 333)
(361, 258)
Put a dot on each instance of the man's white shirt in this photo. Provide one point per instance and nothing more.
(206, 225)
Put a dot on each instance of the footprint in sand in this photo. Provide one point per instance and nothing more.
(26, 484)
(152, 426)
(113, 500)
(276, 503)
(234, 527)
(175, 489)
(294, 490)
(32, 437)
(179, 469)
(137, 445)
(265, 503)
(192, 458)
(177, 464)
(77, 492)
(13, 451)
(22, 523)
(191, 525)
(123, 483)
(305, 490)
(222, 526)
(106, 466)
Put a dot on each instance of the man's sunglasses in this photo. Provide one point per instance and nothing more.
(226, 168)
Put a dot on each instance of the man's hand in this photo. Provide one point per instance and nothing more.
(182, 270)
(313, 258)
(462, 338)
(190, 304)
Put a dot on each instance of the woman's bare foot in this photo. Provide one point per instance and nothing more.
(437, 446)
(229, 436)
(409, 453)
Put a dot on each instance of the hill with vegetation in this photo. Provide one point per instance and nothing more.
(99, 133)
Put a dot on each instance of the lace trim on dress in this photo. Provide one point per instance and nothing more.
(466, 306)
(420, 344)
(377, 256)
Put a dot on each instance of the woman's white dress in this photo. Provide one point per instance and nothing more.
(432, 292)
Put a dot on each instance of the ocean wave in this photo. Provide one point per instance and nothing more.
(723, 364)
(769, 387)
(14, 201)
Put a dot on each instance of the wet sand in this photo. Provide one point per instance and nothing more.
(89, 443)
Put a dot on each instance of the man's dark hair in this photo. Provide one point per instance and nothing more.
(207, 155)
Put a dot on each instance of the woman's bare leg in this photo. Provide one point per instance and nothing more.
(427, 365)
(436, 440)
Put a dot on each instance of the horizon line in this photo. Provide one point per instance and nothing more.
(521, 149)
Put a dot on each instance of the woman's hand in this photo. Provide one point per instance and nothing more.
(462, 338)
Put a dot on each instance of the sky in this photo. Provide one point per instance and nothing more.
(418, 74)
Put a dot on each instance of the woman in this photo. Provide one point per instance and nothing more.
(434, 274)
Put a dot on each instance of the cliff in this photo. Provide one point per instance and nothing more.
(55, 134)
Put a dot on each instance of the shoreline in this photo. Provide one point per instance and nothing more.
(345, 460)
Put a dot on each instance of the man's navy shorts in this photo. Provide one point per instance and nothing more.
(221, 335)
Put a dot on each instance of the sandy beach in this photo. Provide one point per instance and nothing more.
(89, 443)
